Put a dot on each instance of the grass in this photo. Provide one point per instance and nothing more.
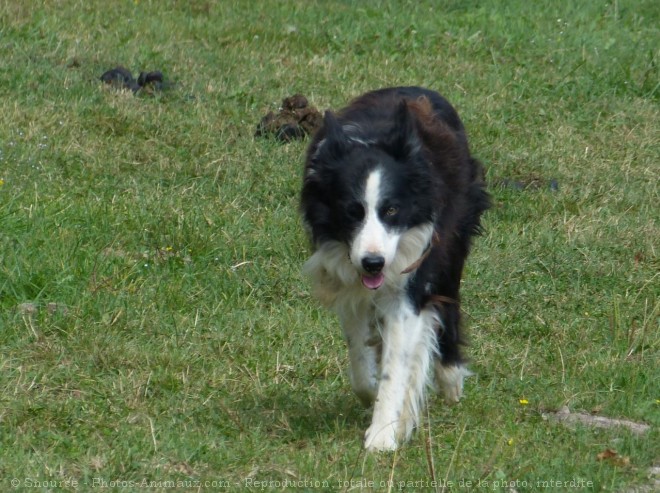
(154, 322)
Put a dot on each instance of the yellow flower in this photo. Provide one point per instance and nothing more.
(2, 182)
(509, 441)
(523, 402)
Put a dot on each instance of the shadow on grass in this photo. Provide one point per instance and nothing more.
(301, 416)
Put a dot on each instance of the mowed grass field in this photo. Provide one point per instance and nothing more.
(156, 331)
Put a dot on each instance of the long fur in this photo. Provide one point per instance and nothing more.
(391, 198)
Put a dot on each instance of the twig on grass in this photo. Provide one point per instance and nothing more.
(231, 415)
(563, 367)
(354, 468)
(153, 433)
(566, 417)
(390, 483)
(453, 457)
(429, 446)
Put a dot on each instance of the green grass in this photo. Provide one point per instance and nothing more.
(154, 323)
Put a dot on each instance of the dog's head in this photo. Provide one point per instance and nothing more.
(372, 194)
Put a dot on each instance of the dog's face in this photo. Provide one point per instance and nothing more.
(369, 196)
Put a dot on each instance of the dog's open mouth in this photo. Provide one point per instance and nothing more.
(373, 281)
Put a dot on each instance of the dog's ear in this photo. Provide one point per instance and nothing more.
(403, 140)
(336, 142)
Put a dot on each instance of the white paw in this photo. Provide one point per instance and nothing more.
(450, 379)
(380, 438)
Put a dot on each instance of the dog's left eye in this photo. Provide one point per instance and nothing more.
(356, 211)
(391, 211)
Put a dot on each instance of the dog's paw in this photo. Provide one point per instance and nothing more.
(450, 380)
(380, 438)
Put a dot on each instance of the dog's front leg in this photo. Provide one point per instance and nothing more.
(399, 333)
(364, 345)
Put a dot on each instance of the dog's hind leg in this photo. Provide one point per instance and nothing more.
(450, 371)
(450, 379)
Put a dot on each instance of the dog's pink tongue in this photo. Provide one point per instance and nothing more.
(373, 282)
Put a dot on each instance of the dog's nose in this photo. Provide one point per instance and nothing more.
(373, 264)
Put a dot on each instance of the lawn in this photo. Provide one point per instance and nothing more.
(156, 330)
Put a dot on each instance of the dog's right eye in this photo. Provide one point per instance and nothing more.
(356, 211)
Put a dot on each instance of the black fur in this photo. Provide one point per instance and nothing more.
(416, 136)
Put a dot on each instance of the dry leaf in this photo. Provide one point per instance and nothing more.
(606, 454)
(614, 458)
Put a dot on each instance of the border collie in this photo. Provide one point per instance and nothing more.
(391, 199)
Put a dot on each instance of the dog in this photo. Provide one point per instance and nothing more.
(391, 199)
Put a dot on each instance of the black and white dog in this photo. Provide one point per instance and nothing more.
(391, 199)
